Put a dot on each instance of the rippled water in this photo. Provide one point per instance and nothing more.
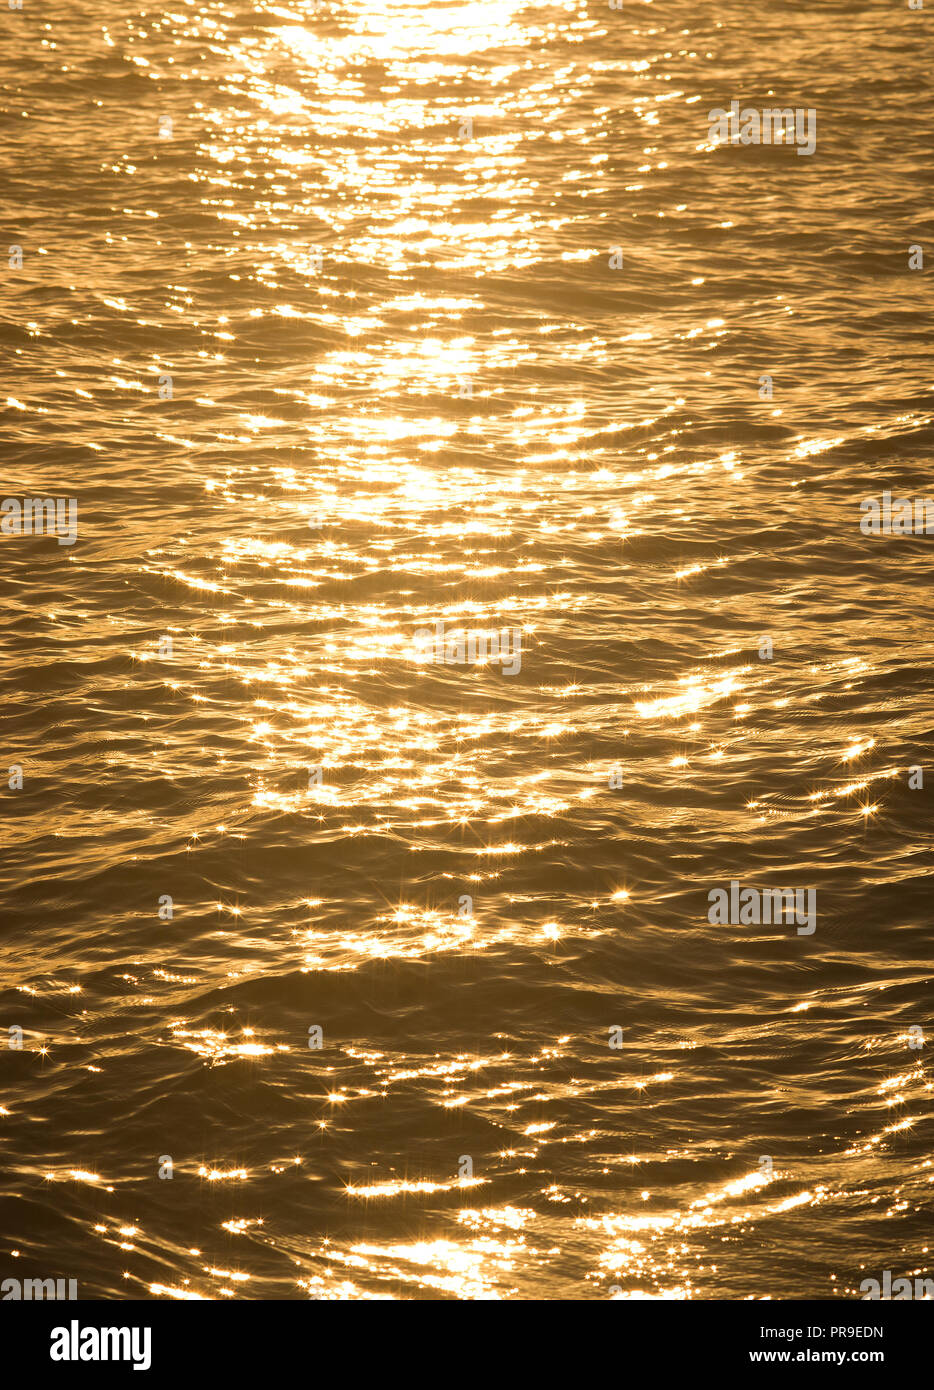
(406, 386)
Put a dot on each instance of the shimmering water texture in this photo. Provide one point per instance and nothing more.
(320, 320)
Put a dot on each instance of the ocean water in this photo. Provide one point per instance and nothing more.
(342, 322)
